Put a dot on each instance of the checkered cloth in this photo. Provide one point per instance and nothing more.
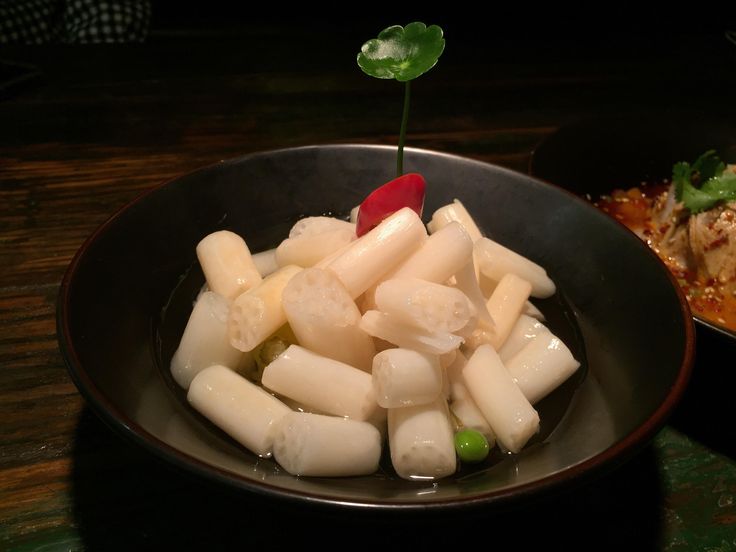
(73, 21)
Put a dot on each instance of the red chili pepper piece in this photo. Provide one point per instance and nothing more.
(404, 191)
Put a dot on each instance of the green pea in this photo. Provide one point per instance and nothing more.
(471, 445)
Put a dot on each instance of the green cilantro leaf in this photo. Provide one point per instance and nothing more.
(680, 176)
(708, 166)
(696, 200)
(707, 172)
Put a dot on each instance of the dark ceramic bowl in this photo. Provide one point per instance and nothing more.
(593, 157)
(127, 294)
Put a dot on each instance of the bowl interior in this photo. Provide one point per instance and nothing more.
(127, 296)
(597, 155)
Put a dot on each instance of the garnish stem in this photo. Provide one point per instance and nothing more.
(402, 132)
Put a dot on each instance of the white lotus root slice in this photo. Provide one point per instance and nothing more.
(467, 282)
(495, 261)
(265, 262)
(427, 305)
(321, 383)
(439, 257)
(384, 326)
(325, 319)
(421, 440)
(541, 366)
(312, 239)
(506, 305)
(523, 331)
(227, 264)
(205, 341)
(504, 406)
(462, 404)
(368, 259)
(245, 411)
(257, 313)
(483, 330)
(326, 446)
(402, 377)
(457, 212)
(530, 309)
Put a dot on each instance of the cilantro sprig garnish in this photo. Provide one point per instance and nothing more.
(704, 184)
(402, 53)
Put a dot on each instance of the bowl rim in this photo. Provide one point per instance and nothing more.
(130, 430)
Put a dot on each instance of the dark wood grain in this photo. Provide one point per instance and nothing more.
(107, 123)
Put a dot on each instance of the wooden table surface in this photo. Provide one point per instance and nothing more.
(104, 123)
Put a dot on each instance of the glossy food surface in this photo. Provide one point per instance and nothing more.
(622, 317)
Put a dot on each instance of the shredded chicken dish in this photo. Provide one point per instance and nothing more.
(699, 249)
